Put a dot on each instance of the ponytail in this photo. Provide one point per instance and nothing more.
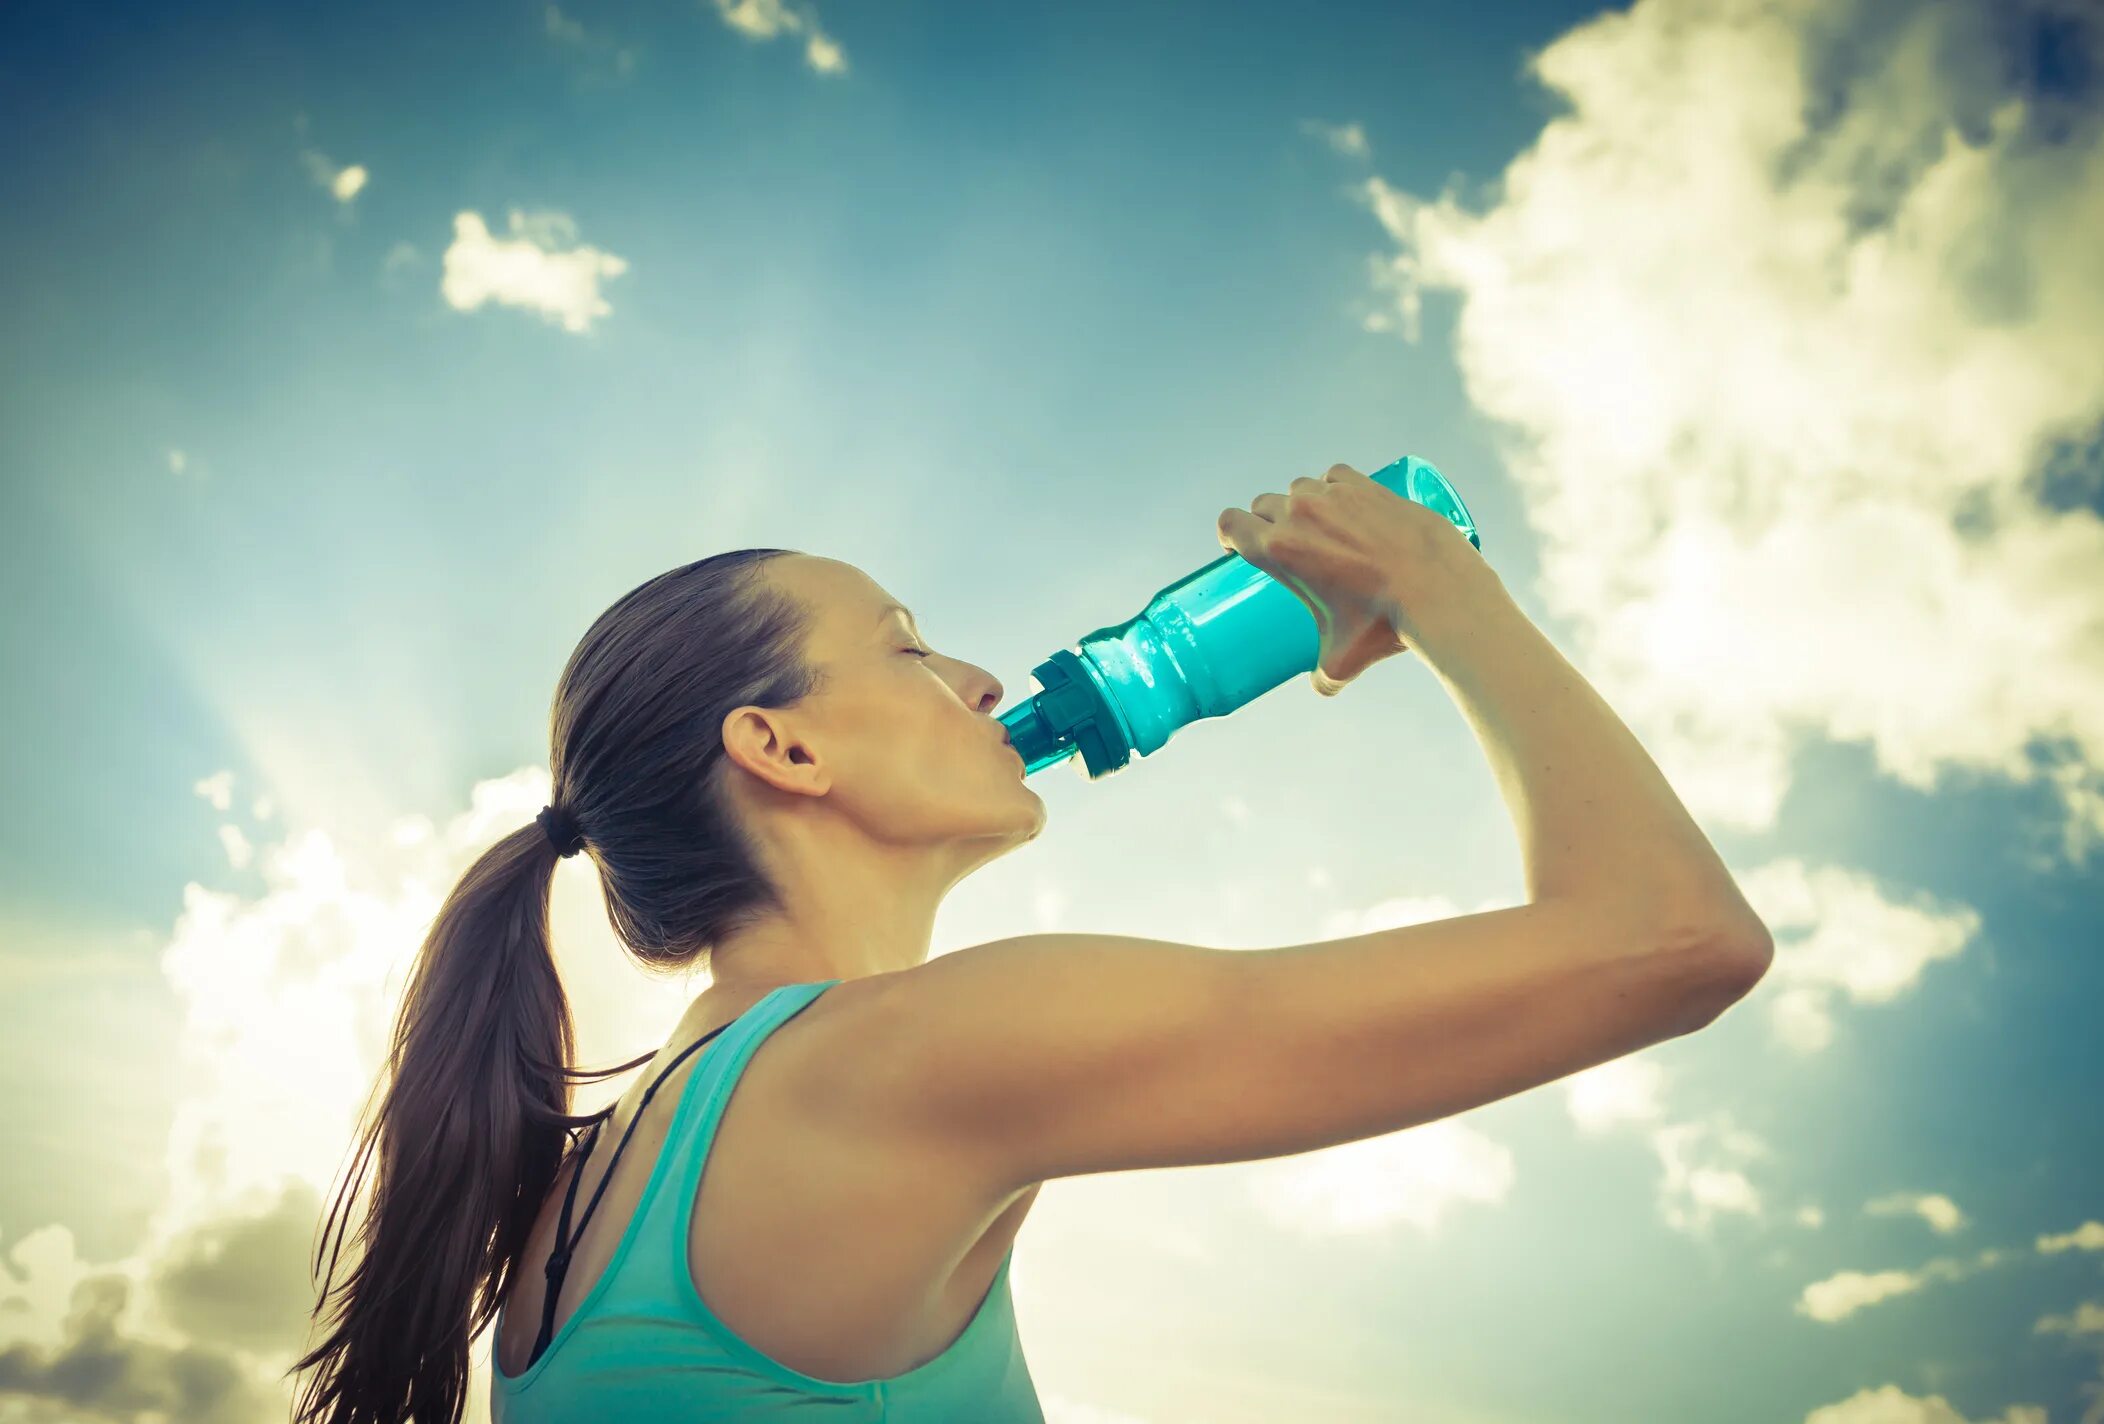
(468, 1134)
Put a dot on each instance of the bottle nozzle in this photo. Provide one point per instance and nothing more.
(1034, 739)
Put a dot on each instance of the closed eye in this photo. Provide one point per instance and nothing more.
(918, 652)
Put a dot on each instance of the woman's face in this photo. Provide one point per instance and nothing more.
(902, 736)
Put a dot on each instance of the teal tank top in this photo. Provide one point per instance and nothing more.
(643, 1345)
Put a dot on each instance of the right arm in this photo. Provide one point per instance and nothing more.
(1063, 1054)
(1595, 816)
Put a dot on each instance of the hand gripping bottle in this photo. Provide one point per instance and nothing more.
(1215, 639)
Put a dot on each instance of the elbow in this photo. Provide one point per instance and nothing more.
(1735, 956)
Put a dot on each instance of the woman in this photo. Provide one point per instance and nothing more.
(779, 780)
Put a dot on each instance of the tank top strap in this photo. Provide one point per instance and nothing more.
(702, 1101)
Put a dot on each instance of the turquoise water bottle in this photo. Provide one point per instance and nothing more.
(1215, 639)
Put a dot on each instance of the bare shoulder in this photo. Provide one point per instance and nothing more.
(835, 1094)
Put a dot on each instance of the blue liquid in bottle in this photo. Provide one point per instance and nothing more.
(1212, 641)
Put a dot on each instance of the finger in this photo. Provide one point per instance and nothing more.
(1342, 474)
(1242, 532)
(1269, 506)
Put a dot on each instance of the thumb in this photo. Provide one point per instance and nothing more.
(1325, 684)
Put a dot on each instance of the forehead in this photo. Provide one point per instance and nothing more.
(843, 599)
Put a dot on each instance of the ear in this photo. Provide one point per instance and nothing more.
(764, 741)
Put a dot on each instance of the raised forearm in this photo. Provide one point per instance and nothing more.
(1595, 815)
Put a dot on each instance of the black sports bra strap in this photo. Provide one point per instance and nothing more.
(559, 1259)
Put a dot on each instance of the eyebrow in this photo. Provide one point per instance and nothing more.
(891, 608)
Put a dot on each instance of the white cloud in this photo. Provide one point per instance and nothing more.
(2086, 1319)
(2089, 1236)
(536, 268)
(1413, 1176)
(41, 1271)
(217, 789)
(1810, 1217)
(1846, 1292)
(178, 461)
(1621, 1090)
(824, 55)
(1348, 139)
(1704, 1175)
(238, 850)
(1889, 1404)
(767, 19)
(343, 184)
(1772, 374)
(1837, 936)
(1938, 1210)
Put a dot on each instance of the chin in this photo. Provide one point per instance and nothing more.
(1037, 822)
(1020, 824)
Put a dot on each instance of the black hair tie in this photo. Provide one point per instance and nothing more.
(561, 829)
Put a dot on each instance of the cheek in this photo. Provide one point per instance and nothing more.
(916, 744)
(909, 754)
(933, 764)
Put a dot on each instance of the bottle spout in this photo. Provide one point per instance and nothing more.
(1034, 737)
(1071, 712)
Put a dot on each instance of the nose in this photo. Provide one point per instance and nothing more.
(989, 691)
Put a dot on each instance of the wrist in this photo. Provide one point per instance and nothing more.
(1445, 612)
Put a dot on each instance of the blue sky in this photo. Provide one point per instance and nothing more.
(356, 358)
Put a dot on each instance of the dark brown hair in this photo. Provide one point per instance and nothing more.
(473, 1110)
